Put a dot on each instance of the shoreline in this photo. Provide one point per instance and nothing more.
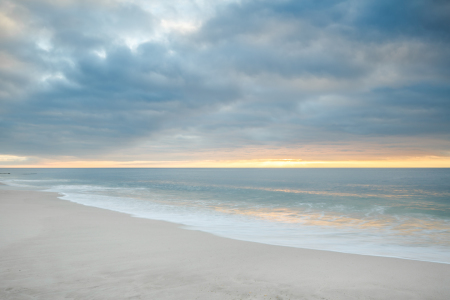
(59, 195)
(62, 196)
(52, 249)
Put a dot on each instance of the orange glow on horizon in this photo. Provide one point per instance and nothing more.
(418, 162)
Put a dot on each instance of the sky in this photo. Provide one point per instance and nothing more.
(224, 83)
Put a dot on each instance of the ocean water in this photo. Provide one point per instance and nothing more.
(401, 213)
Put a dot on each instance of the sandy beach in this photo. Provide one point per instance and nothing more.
(55, 249)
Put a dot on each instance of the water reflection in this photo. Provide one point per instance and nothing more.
(418, 230)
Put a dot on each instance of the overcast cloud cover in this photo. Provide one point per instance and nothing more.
(143, 79)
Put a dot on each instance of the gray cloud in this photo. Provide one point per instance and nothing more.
(90, 78)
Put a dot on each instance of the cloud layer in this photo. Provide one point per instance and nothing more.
(94, 78)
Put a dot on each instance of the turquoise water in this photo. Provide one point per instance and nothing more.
(385, 212)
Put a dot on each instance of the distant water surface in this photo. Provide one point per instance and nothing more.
(385, 212)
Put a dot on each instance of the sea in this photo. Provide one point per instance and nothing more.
(403, 213)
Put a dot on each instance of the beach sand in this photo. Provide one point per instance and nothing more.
(55, 249)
